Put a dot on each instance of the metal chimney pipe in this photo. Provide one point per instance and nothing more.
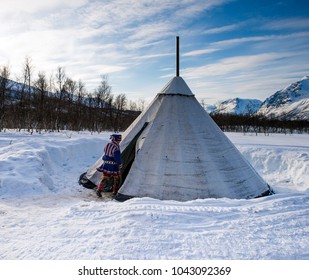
(177, 56)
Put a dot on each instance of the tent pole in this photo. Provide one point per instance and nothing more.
(177, 56)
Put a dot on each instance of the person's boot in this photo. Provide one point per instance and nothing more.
(98, 192)
(101, 186)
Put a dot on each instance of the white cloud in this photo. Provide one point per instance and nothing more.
(200, 52)
(287, 24)
(222, 29)
(227, 66)
(35, 6)
(224, 44)
(155, 55)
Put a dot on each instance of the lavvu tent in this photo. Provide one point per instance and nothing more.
(175, 151)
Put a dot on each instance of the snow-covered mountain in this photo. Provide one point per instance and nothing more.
(209, 108)
(237, 106)
(16, 87)
(291, 103)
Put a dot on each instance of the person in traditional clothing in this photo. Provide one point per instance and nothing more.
(112, 164)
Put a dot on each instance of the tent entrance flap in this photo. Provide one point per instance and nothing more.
(128, 155)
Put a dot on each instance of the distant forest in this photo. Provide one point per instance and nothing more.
(259, 124)
(59, 103)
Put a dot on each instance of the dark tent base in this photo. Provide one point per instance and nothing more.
(266, 193)
(89, 185)
(122, 197)
(85, 182)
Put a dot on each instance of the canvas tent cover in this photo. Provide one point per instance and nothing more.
(175, 151)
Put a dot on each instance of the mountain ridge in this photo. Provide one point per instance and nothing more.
(289, 103)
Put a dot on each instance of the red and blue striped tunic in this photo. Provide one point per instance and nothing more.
(111, 159)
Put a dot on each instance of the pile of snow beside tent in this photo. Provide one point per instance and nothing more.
(45, 214)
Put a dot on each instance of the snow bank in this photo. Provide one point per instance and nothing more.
(282, 160)
(38, 164)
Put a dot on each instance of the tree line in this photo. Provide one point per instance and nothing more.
(58, 102)
(259, 124)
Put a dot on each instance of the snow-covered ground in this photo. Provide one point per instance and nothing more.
(46, 214)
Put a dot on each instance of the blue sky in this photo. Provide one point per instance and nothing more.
(228, 48)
